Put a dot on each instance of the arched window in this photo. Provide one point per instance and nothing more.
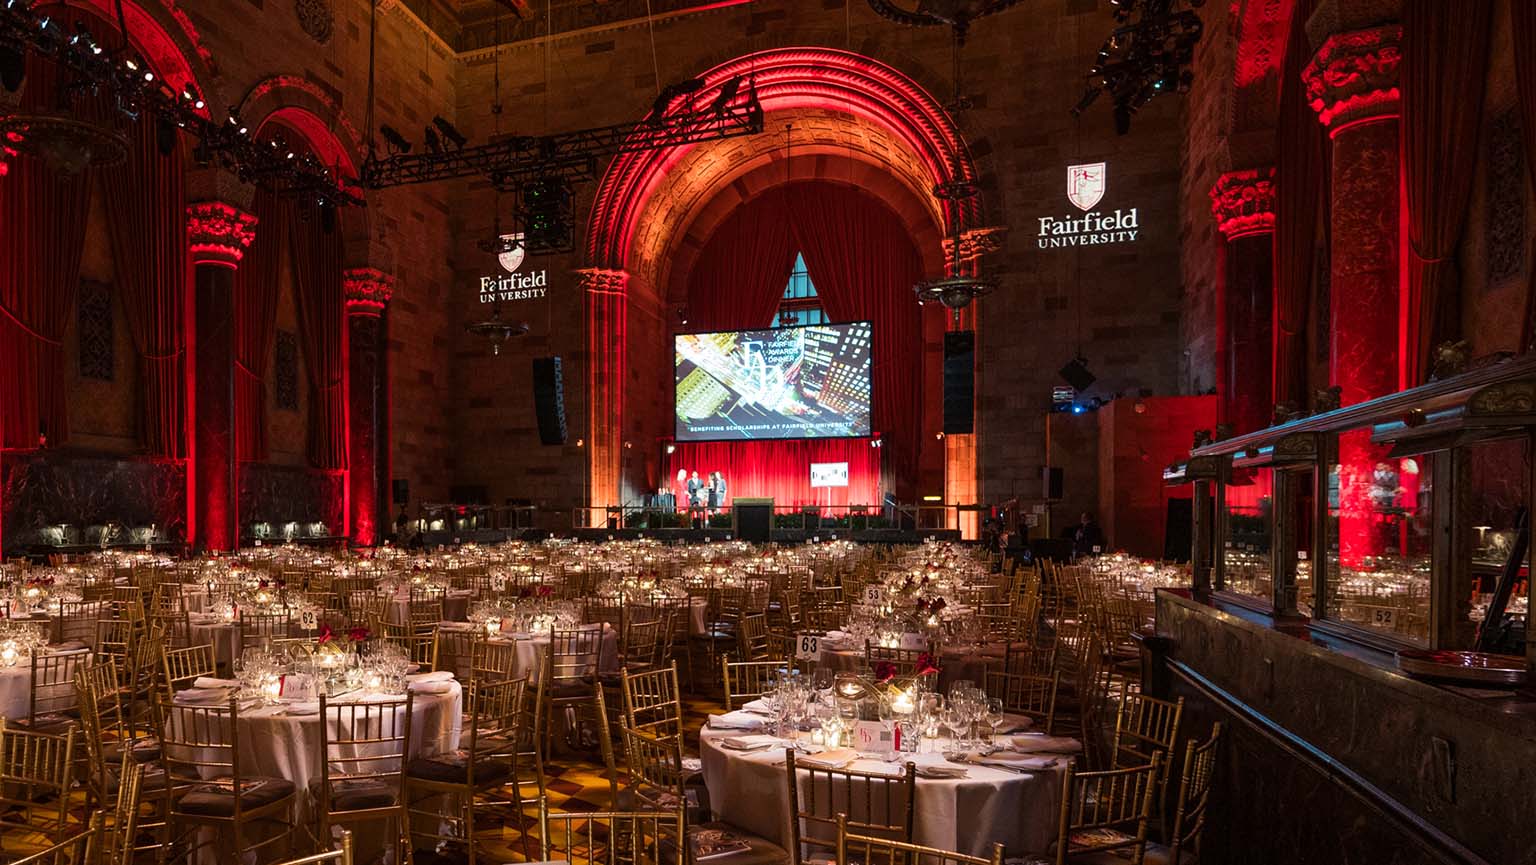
(800, 304)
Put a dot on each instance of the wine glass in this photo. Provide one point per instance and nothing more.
(831, 723)
(995, 715)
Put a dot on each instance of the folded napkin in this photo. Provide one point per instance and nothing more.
(302, 707)
(738, 720)
(758, 707)
(201, 696)
(1041, 744)
(748, 743)
(692, 764)
(1012, 760)
(74, 647)
(456, 626)
(435, 687)
(214, 682)
(934, 770)
(834, 759)
(435, 676)
(1015, 723)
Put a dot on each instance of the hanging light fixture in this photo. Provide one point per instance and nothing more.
(497, 330)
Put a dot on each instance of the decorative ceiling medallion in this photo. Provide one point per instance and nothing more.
(317, 18)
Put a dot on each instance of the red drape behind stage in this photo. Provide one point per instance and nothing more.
(1444, 73)
(740, 275)
(256, 294)
(42, 237)
(147, 225)
(316, 258)
(863, 263)
(1300, 172)
(781, 470)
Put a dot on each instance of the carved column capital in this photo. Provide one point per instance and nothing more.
(1353, 76)
(367, 290)
(218, 233)
(1243, 202)
(600, 280)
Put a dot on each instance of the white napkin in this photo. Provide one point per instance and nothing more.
(433, 687)
(748, 743)
(215, 682)
(201, 696)
(939, 771)
(738, 720)
(303, 707)
(757, 707)
(1011, 760)
(435, 676)
(834, 759)
(1015, 723)
(1041, 744)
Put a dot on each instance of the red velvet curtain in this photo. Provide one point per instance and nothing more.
(864, 264)
(781, 470)
(739, 277)
(1300, 172)
(256, 294)
(1523, 25)
(1444, 72)
(43, 214)
(316, 257)
(147, 225)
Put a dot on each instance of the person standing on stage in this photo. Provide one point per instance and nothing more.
(714, 493)
(718, 481)
(694, 485)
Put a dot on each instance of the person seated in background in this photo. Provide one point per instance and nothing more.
(1087, 538)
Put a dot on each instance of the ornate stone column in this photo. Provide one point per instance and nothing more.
(1243, 203)
(1352, 85)
(368, 292)
(218, 234)
(606, 294)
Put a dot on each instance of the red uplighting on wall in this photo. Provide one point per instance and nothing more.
(1243, 202)
(1354, 76)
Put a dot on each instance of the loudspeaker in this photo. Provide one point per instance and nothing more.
(1076, 374)
(1179, 530)
(402, 491)
(1050, 483)
(549, 400)
(959, 382)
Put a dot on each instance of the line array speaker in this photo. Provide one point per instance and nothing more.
(959, 382)
(549, 400)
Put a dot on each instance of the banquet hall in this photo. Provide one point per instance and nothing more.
(767, 432)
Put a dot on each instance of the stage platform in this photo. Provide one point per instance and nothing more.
(692, 536)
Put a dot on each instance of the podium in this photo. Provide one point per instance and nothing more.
(752, 519)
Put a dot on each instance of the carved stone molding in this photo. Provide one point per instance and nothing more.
(367, 290)
(599, 280)
(218, 233)
(1510, 397)
(317, 18)
(1243, 202)
(1353, 76)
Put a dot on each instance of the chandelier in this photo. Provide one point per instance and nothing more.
(957, 290)
(1145, 57)
(68, 143)
(496, 330)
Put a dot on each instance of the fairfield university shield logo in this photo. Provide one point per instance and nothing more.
(511, 258)
(1085, 184)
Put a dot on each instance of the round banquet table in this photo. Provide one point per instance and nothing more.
(1020, 809)
(529, 651)
(275, 744)
(15, 692)
(223, 635)
(455, 606)
(954, 664)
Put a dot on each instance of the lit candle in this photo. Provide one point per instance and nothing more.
(8, 653)
(903, 703)
(817, 738)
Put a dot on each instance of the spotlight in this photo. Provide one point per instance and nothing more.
(395, 139)
(450, 133)
(671, 448)
(434, 144)
(148, 75)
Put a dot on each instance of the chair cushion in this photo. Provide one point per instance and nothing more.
(760, 851)
(357, 794)
(454, 769)
(217, 800)
(142, 751)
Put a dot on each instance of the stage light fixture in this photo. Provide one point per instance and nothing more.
(451, 133)
(434, 144)
(1076, 373)
(671, 449)
(394, 139)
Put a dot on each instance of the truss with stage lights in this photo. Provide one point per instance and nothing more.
(134, 90)
(1149, 53)
(573, 156)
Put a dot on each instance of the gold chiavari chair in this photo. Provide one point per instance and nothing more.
(485, 763)
(117, 843)
(259, 629)
(208, 784)
(364, 605)
(1145, 726)
(853, 849)
(570, 673)
(342, 854)
(653, 702)
(1190, 806)
(74, 850)
(878, 805)
(752, 637)
(904, 661)
(36, 774)
(1106, 813)
(456, 651)
(424, 612)
(641, 645)
(1031, 696)
(76, 621)
(363, 753)
(494, 660)
(182, 667)
(611, 837)
(128, 603)
(51, 701)
(1029, 660)
(745, 681)
(658, 781)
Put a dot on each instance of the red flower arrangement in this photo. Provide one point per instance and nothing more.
(359, 634)
(546, 591)
(885, 671)
(927, 665)
(325, 634)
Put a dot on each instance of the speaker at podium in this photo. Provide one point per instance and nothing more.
(752, 519)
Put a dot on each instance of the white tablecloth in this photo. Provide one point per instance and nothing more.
(223, 636)
(530, 650)
(963, 814)
(15, 691)
(455, 607)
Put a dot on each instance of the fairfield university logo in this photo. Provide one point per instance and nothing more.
(513, 285)
(1085, 189)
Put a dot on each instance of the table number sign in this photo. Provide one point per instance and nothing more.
(808, 647)
(309, 620)
(498, 583)
(914, 642)
(873, 595)
(874, 737)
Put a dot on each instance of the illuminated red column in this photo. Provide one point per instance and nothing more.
(1352, 85)
(368, 292)
(1243, 203)
(606, 295)
(217, 237)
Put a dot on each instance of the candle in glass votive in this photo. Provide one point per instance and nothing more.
(817, 738)
(903, 704)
